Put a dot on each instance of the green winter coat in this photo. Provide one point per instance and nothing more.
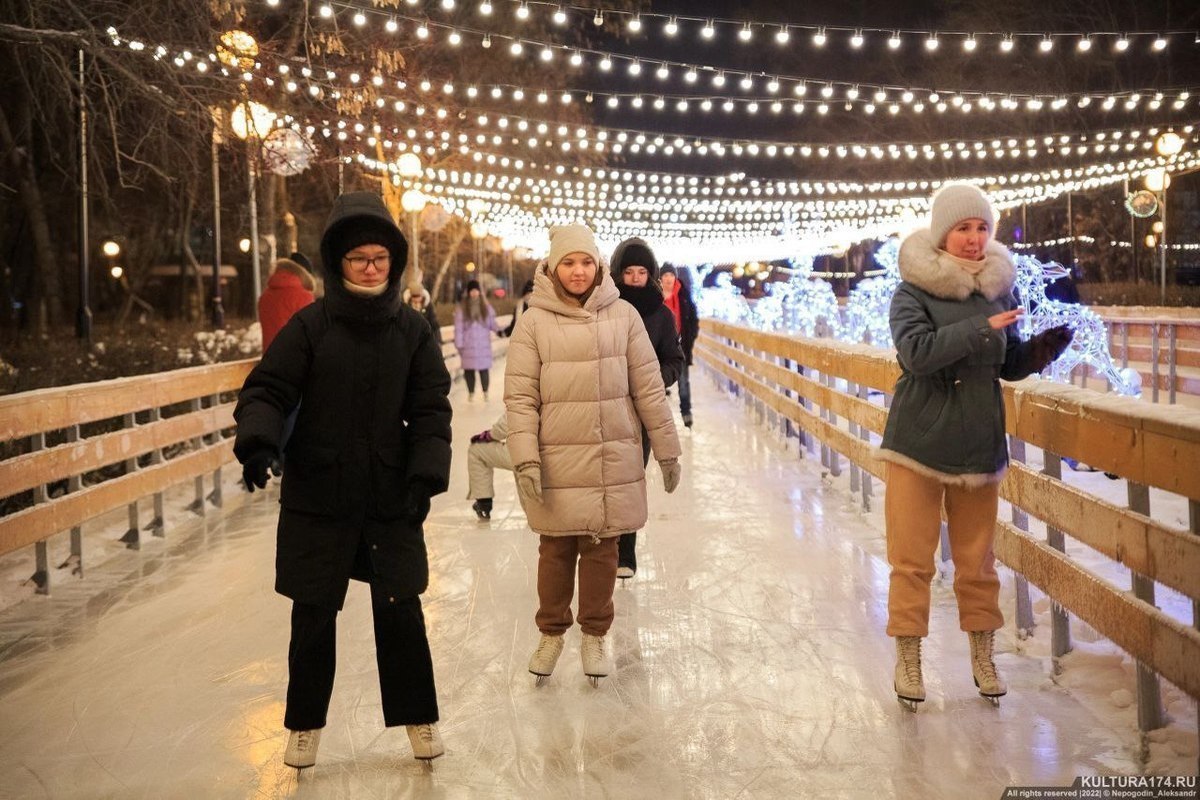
(947, 415)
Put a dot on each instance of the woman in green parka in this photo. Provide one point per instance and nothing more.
(954, 323)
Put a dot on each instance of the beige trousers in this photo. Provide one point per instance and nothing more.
(482, 459)
(557, 557)
(912, 512)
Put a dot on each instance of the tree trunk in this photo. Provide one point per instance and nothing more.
(195, 306)
(451, 254)
(48, 287)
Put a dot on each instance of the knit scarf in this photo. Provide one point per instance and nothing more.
(364, 291)
(672, 302)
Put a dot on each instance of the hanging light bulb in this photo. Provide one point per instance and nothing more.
(662, 72)
(894, 40)
(635, 23)
(598, 20)
(1122, 44)
(969, 44)
(522, 12)
(1159, 43)
(782, 34)
(819, 37)
(1084, 44)
(931, 43)
(560, 16)
(856, 41)
(1046, 45)
(708, 31)
(485, 8)
(745, 34)
(672, 27)
(1006, 44)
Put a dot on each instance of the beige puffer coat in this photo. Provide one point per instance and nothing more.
(579, 385)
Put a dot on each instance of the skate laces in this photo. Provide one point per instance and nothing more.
(546, 647)
(911, 660)
(304, 740)
(595, 647)
(424, 733)
(984, 663)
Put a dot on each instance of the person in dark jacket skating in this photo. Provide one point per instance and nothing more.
(635, 271)
(677, 296)
(371, 445)
(954, 322)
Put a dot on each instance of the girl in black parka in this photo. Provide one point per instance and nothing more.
(635, 270)
(371, 445)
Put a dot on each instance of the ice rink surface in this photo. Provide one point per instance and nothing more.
(750, 650)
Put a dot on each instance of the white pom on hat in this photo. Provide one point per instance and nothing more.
(955, 202)
(567, 239)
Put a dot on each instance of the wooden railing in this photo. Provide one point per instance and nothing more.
(182, 434)
(814, 384)
(156, 431)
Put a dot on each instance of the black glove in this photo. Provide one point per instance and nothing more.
(254, 471)
(416, 504)
(1049, 345)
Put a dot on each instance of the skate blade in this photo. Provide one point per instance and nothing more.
(539, 680)
(595, 680)
(994, 699)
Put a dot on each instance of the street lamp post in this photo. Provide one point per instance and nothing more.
(250, 121)
(1168, 145)
(218, 309)
(83, 318)
(413, 202)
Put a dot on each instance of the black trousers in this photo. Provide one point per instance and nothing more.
(401, 652)
(484, 377)
(627, 542)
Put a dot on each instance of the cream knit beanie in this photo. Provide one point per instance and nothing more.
(955, 202)
(567, 239)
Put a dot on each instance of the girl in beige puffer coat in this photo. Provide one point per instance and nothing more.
(581, 381)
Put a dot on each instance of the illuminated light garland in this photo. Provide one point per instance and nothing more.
(743, 31)
(799, 307)
(798, 85)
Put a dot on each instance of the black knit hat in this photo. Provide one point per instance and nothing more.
(301, 259)
(633, 252)
(360, 231)
(473, 284)
(668, 268)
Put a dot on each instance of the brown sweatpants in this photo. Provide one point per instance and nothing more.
(912, 513)
(557, 556)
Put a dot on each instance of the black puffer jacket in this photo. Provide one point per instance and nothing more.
(648, 300)
(375, 418)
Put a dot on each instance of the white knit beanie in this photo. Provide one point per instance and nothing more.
(567, 239)
(955, 202)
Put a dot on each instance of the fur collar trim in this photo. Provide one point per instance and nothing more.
(925, 266)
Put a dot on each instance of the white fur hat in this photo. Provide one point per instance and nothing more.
(955, 202)
(567, 239)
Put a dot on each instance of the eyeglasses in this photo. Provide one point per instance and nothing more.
(360, 262)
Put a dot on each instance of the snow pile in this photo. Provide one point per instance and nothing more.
(214, 346)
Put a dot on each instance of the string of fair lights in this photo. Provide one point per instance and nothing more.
(833, 93)
(716, 29)
(618, 140)
(675, 219)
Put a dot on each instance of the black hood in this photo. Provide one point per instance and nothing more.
(623, 256)
(351, 214)
(646, 299)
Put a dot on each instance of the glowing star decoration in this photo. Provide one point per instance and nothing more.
(1090, 345)
(287, 152)
(866, 314)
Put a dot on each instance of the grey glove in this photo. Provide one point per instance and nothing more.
(671, 472)
(529, 482)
